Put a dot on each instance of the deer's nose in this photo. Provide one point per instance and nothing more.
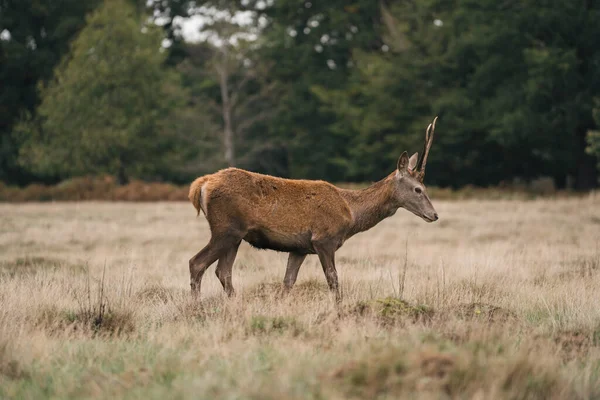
(435, 217)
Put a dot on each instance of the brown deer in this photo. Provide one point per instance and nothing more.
(299, 217)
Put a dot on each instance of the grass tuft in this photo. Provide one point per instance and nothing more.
(265, 291)
(390, 310)
(155, 294)
(404, 372)
(107, 322)
(483, 312)
(10, 368)
(33, 265)
(259, 325)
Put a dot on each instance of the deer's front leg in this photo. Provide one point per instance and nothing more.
(326, 253)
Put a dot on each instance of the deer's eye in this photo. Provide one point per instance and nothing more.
(418, 190)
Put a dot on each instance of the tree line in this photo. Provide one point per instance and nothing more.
(330, 90)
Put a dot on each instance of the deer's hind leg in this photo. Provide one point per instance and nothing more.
(294, 263)
(217, 247)
(225, 267)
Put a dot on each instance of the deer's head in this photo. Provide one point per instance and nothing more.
(410, 192)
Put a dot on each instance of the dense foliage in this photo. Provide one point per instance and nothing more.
(332, 90)
(107, 107)
(594, 138)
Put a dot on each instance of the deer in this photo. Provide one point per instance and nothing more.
(299, 217)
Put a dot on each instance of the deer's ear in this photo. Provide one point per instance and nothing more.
(412, 162)
(403, 163)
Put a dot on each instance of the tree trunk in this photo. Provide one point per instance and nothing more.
(122, 178)
(560, 180)
(228, 133)
(228, 143)
(586, 175)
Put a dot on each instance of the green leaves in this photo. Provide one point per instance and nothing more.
(104, 110)
(329, 90)
(512, 82)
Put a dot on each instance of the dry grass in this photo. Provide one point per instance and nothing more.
(499, 299)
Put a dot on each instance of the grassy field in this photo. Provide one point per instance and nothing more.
(498, 299)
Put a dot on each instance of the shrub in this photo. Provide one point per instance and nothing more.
(390, 310)
(100, 188)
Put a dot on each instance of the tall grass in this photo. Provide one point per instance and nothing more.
(498, 299)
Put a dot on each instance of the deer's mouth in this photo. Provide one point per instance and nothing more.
(427, 218)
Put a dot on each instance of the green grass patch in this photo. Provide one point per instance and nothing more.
(263, 325)
(390, 310)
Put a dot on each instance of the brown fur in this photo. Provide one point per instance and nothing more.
(296, 216)
(196, 191)
(290, 212)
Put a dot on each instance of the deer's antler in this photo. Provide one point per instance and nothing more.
(428, 141)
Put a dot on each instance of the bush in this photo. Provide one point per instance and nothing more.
(94, 188)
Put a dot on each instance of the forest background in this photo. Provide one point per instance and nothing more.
(332, 90)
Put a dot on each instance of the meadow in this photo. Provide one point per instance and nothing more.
(499, 299)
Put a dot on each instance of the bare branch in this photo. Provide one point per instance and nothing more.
(397, 38)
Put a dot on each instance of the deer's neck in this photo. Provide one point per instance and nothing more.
(371, 205)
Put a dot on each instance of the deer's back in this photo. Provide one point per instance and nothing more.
(275, 213)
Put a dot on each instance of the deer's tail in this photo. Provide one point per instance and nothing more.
(195, 194)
